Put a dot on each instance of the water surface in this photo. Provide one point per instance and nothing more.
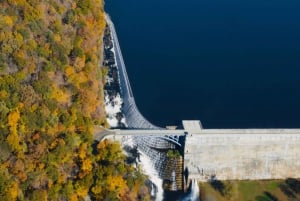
(230, 64)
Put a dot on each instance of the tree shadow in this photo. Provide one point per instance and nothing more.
(218, 186)
(270, 196)
(94, 147)
(266, 197)
(262, 198)
(293, 184)
(291, 187)
(287, 191)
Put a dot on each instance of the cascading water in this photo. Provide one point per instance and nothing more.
(153, 175)
(157, 191)
(193, 195)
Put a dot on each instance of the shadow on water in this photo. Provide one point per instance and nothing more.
(173, 195)
(192, 193)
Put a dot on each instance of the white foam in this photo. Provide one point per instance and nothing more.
(123, 120)
(194, 194)
(152, 173)
(113, 122)
(109, 80)
(112, 108)
(113, 47)
(128, 141)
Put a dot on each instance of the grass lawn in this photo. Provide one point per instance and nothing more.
(262, 190)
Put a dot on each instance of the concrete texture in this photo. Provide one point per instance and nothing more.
(229, 154)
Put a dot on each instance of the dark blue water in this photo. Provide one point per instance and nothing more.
(228, 63)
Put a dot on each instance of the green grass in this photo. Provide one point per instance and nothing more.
(259, 190)
(247, 189)
(272, 185)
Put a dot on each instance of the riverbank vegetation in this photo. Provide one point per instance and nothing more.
(261, 190)
(51, 96)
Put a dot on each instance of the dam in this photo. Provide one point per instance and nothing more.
(162, 147)
(231, 154)
(203, 154)
(242, 154)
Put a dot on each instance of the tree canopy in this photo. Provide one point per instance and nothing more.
(51, 96)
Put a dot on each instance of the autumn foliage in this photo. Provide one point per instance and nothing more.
(51, 96)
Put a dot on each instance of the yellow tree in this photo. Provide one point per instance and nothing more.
(12, 191)
(13, 138)
(117, 184)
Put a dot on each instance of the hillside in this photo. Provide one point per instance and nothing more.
(51, 96)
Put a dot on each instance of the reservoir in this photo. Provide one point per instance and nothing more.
(230, 64)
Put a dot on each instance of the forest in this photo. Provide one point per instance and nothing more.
(51, 96)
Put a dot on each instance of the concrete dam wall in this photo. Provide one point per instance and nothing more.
(228, 154)
(242, 154)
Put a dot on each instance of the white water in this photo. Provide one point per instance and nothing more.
(151, 172)
(128, 141)
(123, 120)
(194, 194)
(148, 169)
(109, 80)
(112, 108)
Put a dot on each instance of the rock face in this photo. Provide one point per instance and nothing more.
(112, 89)
(229, 154)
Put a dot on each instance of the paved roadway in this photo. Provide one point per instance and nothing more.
(117, 134)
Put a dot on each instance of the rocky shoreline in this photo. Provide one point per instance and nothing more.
(112, 89)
